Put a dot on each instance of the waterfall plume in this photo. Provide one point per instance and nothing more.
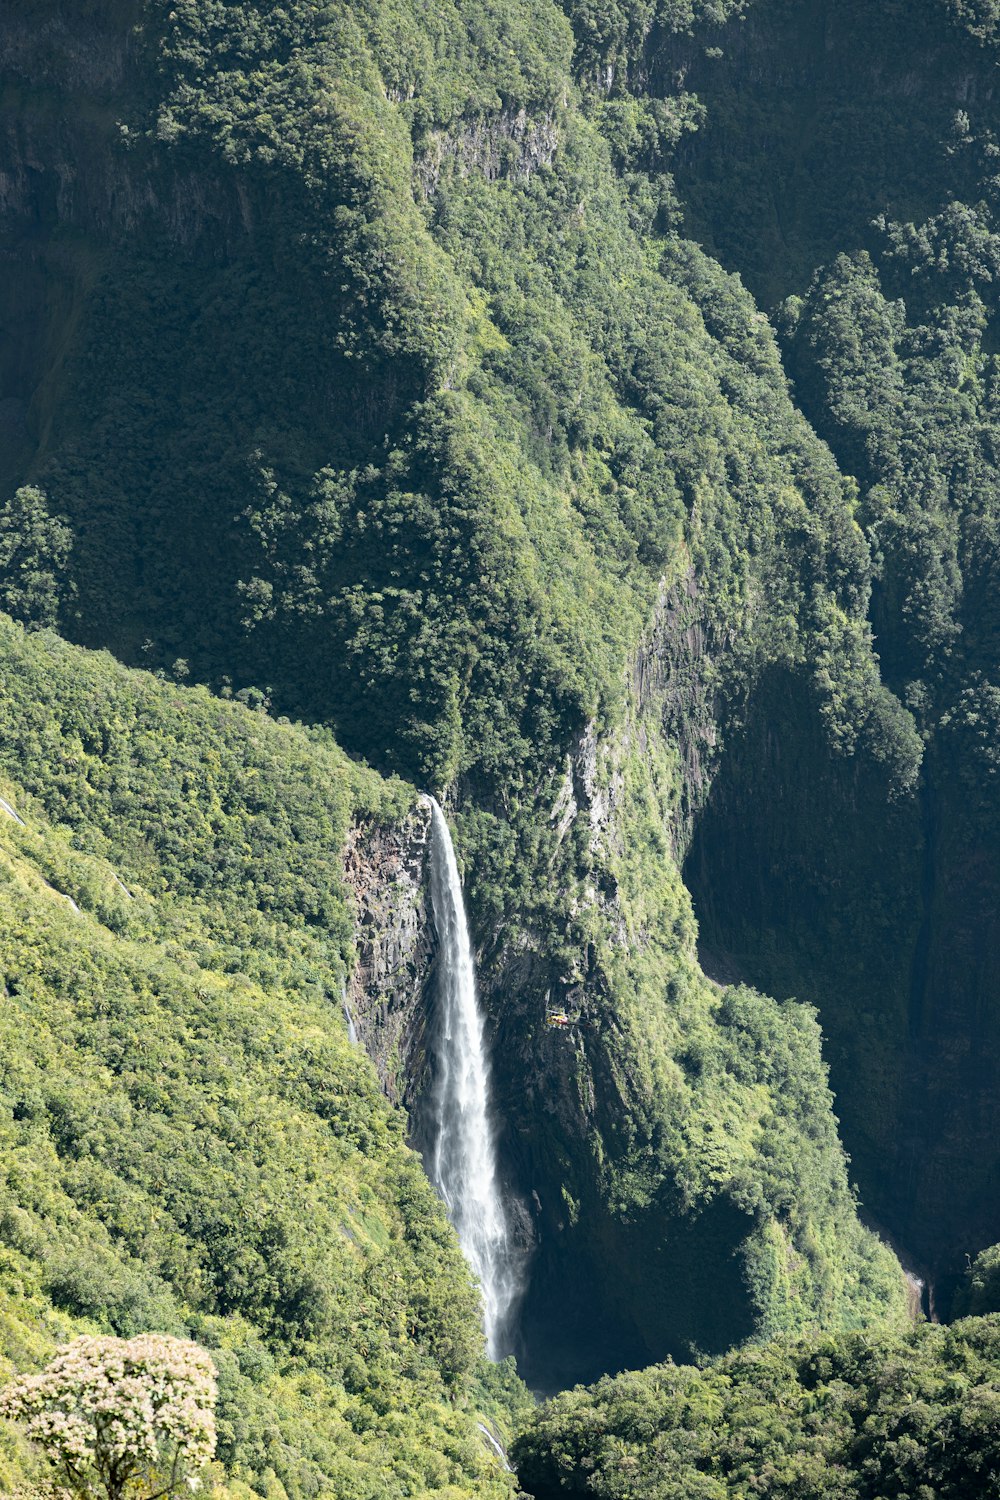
(463, 1159)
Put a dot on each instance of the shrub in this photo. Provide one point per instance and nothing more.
(120, 1417)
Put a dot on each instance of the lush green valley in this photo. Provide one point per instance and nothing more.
(584, 413)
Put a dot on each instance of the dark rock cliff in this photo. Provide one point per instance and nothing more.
(884, 917)
(388, 994)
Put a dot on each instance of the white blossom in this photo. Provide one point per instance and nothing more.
(121, 1417)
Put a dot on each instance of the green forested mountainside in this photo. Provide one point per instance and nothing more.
(851, 1417)
(360, 361)
(407, 428)
(372, 379)
(189, 1141)
(208, 806)
(868, 194)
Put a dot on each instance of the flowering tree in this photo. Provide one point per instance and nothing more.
(125, 1419)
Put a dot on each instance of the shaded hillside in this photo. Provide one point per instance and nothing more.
(818, 118)
(849, 157)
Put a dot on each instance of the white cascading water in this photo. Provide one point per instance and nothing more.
(463, 1164)
(352, 1030)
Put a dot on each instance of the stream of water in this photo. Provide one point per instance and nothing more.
(463, 1161)
(352, 1030)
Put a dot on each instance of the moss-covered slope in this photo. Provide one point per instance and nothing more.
(189, 1142)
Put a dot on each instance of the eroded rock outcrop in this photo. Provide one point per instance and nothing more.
(385, 866)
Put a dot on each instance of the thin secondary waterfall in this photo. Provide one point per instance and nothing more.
(352, 1030)
(463, 1163)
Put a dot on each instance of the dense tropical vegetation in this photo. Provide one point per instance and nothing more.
(190, 1144)
(848, 1417)
(411, 418)
(402, 371)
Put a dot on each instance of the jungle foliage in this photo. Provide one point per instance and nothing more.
(403, 406)
(414, 454)
(848, 1417)
(190, 1144)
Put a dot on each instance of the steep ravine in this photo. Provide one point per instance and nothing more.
(881, 915)
(609, 1288)
(631, 1253)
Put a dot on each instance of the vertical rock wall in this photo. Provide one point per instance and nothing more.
(385, 866)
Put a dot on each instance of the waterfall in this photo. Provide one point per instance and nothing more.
(352, 1030)
(463, 1161)
(495, 1445)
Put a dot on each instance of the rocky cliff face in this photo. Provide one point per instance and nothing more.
(640, 1246)
(504, 144)
(389, 991)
